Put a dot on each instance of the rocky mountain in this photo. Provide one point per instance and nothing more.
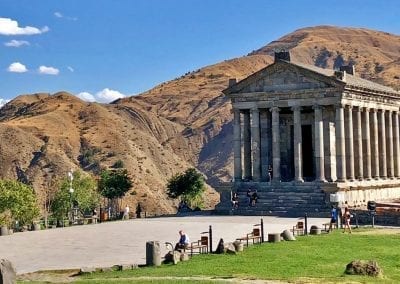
(180, 123)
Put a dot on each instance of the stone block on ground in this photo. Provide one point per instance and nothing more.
(238, 246)
(274, 238)
(8, 274)
(363, 267)
(87, 270)
(184, 257)
(229, 248)
(172, 257)
(314, 230)
(288, 236)
(220, 247)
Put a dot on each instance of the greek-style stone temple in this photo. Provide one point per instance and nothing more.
(301, 133)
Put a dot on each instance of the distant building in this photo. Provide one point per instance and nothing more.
(314, 131)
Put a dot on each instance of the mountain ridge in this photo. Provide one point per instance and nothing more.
(177, 124)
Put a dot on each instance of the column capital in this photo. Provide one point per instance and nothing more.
(317, 107)
(339, 105)
(255, 109)
(236, 110)
(275, 109)
(383, 110)
(297, 108)
(349, 107)
(374, 110)
(365, 109)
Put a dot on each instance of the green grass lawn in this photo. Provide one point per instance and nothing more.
(311, 258)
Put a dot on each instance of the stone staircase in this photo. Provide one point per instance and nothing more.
(280, 200)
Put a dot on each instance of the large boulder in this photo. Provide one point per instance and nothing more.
(172, 257)
(229, 248)
(287, 236)
(363, 267)
(8, 274)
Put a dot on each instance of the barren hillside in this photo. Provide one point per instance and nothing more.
(180, 123)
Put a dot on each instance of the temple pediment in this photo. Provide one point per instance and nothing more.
(283, 77)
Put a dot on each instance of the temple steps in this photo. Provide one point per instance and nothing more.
(281, 200)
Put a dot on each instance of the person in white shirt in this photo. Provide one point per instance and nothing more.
(126, 213)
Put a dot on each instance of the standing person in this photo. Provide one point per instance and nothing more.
(347, 217)
(333, 218)
(94, 215)
(126, 213)
(183, 242)
(235, 201)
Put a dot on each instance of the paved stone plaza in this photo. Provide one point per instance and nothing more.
(122, 242)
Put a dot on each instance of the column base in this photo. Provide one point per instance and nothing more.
(341, 180)
(299, 180)
(320, 180)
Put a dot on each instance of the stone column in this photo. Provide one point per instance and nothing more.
(340, 144)
(360, 172)
(297, 144)
(237, 146)
(350, 143)
(396, 144)
(256, 145)
(375, 144)
(382, 142)
(246, 145)
(390, 145)
(319, 144)
(367, 145)
(276, 147)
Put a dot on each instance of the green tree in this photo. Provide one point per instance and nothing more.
(114, 184)
(85, 195)
(17, 203)
(188, 186)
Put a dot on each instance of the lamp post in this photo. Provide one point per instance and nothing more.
(71, 191)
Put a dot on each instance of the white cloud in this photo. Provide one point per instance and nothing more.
(107, 95)
(48, 70)
(87, 97)
(70, 69)
(16, 43)
(61, 16)
(104, 96)
(17, 67)
(3, 102)
(10, 27)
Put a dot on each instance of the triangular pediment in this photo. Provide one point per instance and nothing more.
(283, 77)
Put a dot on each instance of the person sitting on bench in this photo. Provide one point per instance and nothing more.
(183, 242)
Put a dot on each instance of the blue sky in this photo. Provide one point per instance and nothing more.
(102, 49)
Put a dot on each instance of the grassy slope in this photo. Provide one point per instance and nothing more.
(311, 259)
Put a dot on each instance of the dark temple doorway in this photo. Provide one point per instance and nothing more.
(308, 153)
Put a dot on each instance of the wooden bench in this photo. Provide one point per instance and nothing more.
(255, 236)
(298, 229)
(201, 245)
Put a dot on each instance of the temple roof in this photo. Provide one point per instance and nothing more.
(349, 80)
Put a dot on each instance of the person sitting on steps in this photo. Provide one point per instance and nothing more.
(254, 198)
